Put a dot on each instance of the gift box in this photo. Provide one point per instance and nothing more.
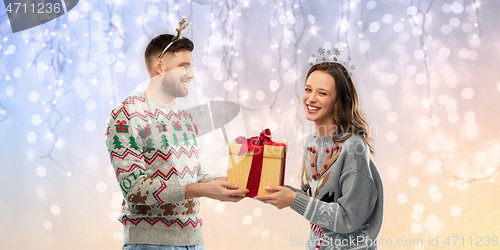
(256, 163)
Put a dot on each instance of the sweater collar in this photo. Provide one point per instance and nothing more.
(322, 140)
(155, 102)
(328, 138)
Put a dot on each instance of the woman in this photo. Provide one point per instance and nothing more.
(341, 191)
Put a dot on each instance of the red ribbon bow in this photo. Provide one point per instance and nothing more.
(263, 139)
(257, 144)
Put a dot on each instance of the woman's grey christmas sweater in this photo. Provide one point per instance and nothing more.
(346, 201)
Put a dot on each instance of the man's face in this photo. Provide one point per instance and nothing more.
(178, 73)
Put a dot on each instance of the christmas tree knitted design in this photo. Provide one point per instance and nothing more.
(152, 168)
(176, 141)
(164, 141)
(133, 143)
(116, 142)
(149, 145)
(186, 140)
(194, 141)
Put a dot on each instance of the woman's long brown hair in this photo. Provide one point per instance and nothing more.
(346, 113)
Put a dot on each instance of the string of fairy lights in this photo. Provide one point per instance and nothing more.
(293, 12)
(345, 15)
(418, 16)
(48, 46)
(222, 21)
(363, 30)
(286, 14)
(285, 33)
(292, 30)
(234, 79)
(289, 28)
(4, 114)
(111, 27)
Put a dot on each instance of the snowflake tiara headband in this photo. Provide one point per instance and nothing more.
(182, 26)
(333, 54)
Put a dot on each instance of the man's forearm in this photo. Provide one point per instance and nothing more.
(193, 190)
(218, 189)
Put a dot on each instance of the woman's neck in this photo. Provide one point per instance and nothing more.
(325, 129)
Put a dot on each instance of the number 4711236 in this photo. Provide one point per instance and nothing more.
(34, 8)
(478, 241)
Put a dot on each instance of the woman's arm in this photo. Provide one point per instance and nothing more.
(281, 199)
(350, 211)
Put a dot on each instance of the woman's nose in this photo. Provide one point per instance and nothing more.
(312, 98)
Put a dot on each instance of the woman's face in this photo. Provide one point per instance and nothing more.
(319, 98)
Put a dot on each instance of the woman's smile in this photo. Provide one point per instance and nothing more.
(312, 109)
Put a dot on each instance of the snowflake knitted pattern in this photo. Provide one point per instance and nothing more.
(154, 153)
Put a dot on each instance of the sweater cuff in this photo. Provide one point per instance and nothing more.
(292, 188)
(208, 178)
(175, 194)
(300, 202)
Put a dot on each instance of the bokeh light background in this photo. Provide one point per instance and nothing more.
(425, 71)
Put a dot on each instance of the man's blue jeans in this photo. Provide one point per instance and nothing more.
(160, 247)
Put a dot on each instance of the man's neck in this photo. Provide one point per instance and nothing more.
(155, 92)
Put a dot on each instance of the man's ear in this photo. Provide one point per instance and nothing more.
(159, 66)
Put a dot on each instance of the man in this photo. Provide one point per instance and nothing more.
(153, 148)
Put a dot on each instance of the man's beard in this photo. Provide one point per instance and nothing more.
(174, 87)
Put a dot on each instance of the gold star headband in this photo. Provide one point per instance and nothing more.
(333, 55)
(182, 26)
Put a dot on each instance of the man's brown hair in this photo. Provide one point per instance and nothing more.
(159, 43)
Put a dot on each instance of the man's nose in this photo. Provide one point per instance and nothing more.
(190, 73)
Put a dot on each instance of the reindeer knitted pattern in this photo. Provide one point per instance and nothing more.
(342, 194)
